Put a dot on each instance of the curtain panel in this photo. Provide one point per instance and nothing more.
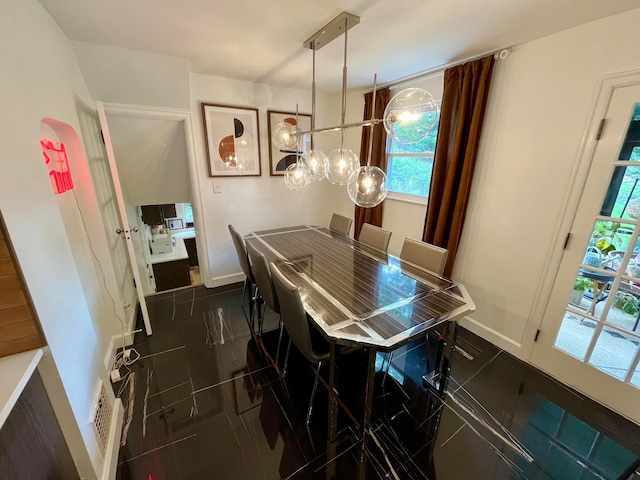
(464, 102)
(378, 155)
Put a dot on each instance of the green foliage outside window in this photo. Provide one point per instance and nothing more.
(412, 174)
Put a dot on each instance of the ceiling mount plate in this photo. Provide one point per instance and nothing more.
(331, 31)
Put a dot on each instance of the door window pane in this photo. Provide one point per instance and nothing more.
(613, 352)
(575, 335)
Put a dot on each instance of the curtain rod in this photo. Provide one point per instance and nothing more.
(499, 54)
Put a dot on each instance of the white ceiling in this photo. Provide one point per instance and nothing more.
(261, 40)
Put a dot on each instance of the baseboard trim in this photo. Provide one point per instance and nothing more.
(116, 340)
(111, 456)
(499, 340)
(224, 280)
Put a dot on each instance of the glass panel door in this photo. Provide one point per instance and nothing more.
(590, 335)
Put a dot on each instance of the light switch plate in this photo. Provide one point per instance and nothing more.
(217, 187)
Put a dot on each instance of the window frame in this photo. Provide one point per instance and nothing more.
(402, 196)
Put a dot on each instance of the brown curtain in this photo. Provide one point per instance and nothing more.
(464, 101)
(378, 155)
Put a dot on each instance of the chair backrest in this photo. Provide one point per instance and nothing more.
(340, 224)
(260, 269)
(375, 237)
(424, 254)
(292, 311)
(241, 251)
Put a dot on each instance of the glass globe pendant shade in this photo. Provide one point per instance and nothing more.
(296, 176)
(410, 115)
(367, 186)
(317, 163)
(342, 163)
(284, 136)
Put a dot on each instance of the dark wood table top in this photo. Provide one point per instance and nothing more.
(358, 295)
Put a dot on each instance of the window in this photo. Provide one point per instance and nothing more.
(409, 167)
(188, 215)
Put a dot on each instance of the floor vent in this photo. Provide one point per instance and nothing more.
(102, 418)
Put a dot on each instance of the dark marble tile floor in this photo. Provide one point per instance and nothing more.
(203, 402)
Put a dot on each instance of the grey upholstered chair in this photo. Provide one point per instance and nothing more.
(340, 224)
(243, 259)
(424, 255)
(375, 237)
(313, 347)
(266, 290)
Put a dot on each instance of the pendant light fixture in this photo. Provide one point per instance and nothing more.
(297, 176)
(408, 118)
(367, 186)
(317, 162)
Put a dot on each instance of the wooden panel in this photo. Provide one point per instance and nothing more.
(12, 299)
(6, 266)
(15, 315)
(20, 345)
(31, 442)
(19, 328)
(10, 283)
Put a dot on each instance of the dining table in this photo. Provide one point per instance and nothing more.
(360, 297)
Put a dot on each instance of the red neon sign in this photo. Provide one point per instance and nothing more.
(56, 160)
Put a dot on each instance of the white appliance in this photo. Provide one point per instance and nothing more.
(161, 243)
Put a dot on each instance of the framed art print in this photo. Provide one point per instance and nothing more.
(279, 159)
(232, 138)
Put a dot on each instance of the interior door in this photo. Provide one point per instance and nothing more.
(590, 334)
(125, 231)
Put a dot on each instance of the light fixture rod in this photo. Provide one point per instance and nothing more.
(344, 85)
(365, 123)
(313, 96)
(373, 116)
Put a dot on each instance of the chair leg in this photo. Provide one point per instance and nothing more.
(286, 359)
(244, 291)
(386, 372)
(313, 393)
(279, 340)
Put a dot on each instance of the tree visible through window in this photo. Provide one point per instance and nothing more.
(188, 213)
(409, 166)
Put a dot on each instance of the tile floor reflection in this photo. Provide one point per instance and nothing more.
(205, 403)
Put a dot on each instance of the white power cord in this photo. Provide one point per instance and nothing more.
(124, 357)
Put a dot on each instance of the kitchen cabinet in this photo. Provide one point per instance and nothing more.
(172, 274)
(192, 251)
(152, 214)
(169, 210)
(155, 214)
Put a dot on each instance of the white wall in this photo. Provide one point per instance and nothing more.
(118, 75)
(540, 104)
(538, 110)
(40, 78)
(254, 203)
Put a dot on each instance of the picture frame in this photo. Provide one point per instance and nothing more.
(232, 139)
(279, 159)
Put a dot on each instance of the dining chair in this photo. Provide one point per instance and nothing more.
(308, 341)
(266, 290)
(249, 281)
(375, 237)
(340, 224)
(425, 255)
